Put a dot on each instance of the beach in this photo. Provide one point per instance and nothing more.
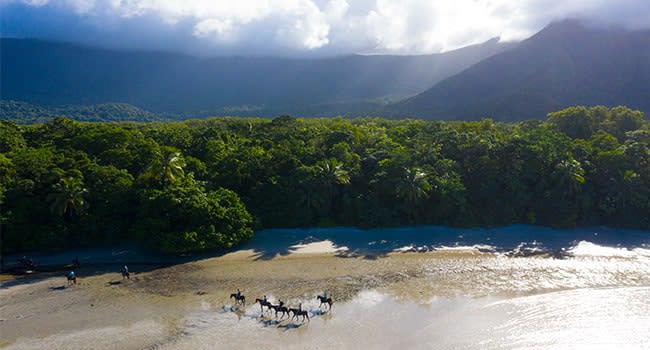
(46, 305)
(454, 298)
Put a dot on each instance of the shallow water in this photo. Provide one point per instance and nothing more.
(582, 318)
(501, 293)
(597, 297)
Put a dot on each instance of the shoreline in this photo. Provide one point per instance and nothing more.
(45, 304)
(163, 307)
(517, 240)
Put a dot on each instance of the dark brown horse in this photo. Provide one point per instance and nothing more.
(280, 308)
(325, 300)
(299, 312)
(304, 314)
(239, 299)
(263, 302)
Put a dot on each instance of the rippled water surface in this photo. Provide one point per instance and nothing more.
(583, 318)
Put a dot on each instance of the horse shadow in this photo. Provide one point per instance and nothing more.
(238, 310)
(319, 312)
(226, 309)
(270, 322)
(63, 287)
(113, 283)
(289, 326)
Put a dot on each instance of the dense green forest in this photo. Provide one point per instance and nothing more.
(201, 184)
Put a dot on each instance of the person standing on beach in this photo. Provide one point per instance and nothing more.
(125, 272)
(71, 277)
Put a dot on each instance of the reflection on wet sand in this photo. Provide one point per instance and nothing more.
(597, 297)
(581, 318)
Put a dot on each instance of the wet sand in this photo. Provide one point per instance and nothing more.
(159, 300)
(451, 298)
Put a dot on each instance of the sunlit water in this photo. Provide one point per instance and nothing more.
(595, 297)
(589, 290)
(584, 318)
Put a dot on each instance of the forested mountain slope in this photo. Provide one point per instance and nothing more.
(22, 112)
(565, 64)
(54, 74)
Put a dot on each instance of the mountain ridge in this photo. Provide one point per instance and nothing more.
(564, 64)
(54, 74)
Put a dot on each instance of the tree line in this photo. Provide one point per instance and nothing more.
(200, 184)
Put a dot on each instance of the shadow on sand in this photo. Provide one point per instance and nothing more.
(90, 262)
(517, 240)
(63, 287)
(285, 324)
(267, 320)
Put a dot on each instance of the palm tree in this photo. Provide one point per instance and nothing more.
(174, 167)
(412, 188)
(331, 173)
(311, 200)
(168, 169)
(569, 175)
(68, 200)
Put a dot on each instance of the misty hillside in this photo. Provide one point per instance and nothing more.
(55, 74)
(564, 64)
(22, 112)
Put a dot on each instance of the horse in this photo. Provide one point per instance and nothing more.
(239, 299)
(302, 313)
(299, 312)
(263, 302)
(279, 308)
(325, 300)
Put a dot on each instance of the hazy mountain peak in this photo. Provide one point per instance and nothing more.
(565, 64)
(54, 74)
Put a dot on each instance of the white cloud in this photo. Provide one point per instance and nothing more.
(305, 26)
(35, 3)
(338, 26)
(82, 6)
(336, 9)
(220, 29)
(297, 23)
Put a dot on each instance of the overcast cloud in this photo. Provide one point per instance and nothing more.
(302, 27)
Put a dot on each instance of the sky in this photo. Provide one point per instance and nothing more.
(294, 28)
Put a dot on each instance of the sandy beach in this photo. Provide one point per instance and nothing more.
(449, 298)
(159, 300)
